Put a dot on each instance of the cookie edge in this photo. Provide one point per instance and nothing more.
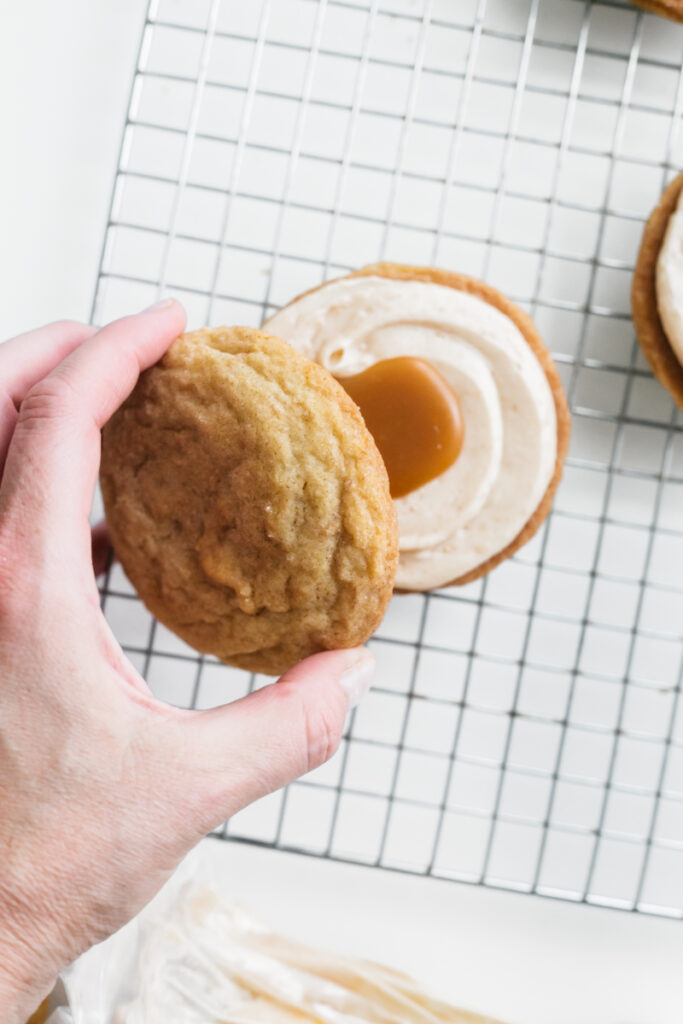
(664, 8)
(646, 320)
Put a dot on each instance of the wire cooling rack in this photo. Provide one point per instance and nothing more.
(525, 731)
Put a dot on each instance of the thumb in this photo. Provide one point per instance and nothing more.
(242, 751)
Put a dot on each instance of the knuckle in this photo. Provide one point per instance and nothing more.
(322, 732)
(51, 398)
(316, 723)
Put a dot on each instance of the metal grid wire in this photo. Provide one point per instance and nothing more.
(526, 731)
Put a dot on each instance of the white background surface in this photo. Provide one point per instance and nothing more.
(64, 77)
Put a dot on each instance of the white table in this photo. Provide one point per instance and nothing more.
(65, 71)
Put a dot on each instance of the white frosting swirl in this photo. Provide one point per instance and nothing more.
(475, 508)
(669, 281)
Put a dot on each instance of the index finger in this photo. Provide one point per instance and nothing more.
(28, 357)
(53, 458)
(24, 360)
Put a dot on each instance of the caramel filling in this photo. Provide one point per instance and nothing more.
(413, 416)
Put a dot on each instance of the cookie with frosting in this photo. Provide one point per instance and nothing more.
(657, 291)
(491, 456)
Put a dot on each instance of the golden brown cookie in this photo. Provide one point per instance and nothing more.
(248, 503)
(525, 325)
(646, 319)
(665, 8)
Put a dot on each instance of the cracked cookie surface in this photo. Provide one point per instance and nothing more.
(247, 501)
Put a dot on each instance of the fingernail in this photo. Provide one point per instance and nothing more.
(161, 304)
(356, 679)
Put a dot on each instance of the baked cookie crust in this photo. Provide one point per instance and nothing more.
(525, 325)
(646, 319)
(247, 502)
(672, 9)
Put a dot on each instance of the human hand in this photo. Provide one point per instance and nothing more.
(103, 789)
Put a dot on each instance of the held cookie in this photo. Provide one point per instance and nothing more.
(507, 430)
(247, 501)
(657, 291)
(665, 8)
